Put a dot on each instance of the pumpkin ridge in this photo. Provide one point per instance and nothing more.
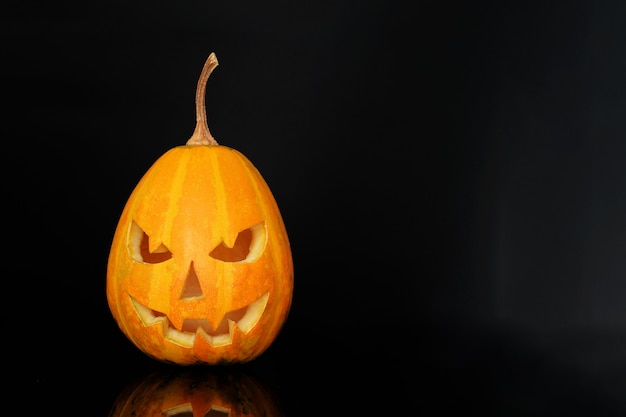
(173, 210)
(220, 198)
(272, 215)
(224, 279)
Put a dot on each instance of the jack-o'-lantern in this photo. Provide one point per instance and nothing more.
(200, 267)
(200, 392)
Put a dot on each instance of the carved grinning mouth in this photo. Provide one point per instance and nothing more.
(243, 318)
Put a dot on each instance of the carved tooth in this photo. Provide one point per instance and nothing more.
(253, 313)
(180, 338)
(145, 314)
(219, 339)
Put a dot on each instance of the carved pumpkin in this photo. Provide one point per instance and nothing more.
(201, 392)
(200, 267)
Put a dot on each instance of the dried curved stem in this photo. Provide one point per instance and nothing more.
(202, 135)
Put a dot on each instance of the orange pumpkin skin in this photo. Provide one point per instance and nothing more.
(197, 392)
(174, 285)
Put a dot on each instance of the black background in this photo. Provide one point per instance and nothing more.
(450, 174)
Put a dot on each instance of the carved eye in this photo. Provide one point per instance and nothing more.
(139, 244)
(247, 248)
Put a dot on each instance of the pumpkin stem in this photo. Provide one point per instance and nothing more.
(202, 135)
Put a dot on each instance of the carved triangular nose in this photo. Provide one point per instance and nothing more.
(191, 289)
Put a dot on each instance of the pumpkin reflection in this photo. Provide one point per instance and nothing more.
(197, 392)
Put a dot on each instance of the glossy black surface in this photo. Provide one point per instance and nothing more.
(452, 370)
(451, 176)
